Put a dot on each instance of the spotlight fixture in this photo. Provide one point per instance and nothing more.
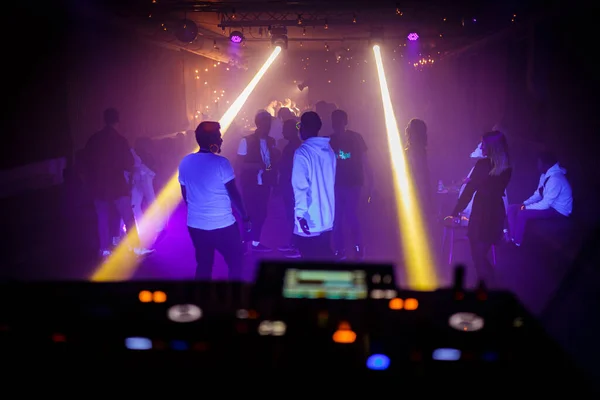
(279, 37)
(412, 36)
(186, 31)
(376, 36)
(236, 37)
(302, 86)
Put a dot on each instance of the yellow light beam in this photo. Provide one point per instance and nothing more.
(121, 264)
(421, 272)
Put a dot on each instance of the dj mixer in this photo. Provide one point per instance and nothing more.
(314, 318)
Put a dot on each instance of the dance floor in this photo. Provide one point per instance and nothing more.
(51, 235)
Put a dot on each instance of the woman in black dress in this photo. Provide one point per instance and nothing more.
(489, 180)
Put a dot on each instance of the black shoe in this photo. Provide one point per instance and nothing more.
(260, 248)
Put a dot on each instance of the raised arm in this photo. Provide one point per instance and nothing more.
(479, 175)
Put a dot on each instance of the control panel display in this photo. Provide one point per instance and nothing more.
(334, 285)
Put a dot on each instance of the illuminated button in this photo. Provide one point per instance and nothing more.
(396, 304)
(145, 296)
(242, 314)
(344, 336)
(179, 345)
(200, 346)
(377, 294)
(390, 294)
(265, 328)
(278, 328)
(376, 278)
(344, 326)
(490, 356)
(378, 362)
(446, 355)
(241, 327)
(159, 297)
(252, 314)
(387, 279)
(411, 304)
(322, 318)
(59, 338)
(138, 343)
(184, 313)
(159, 345)
(466, 322)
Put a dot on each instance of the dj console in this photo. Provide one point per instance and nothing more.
(297, 318)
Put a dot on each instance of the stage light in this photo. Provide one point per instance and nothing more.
(413, 36)
(418, 260)
(236, 37)
(120, 265)
(186, 31)
(279, 37)
(302, 86)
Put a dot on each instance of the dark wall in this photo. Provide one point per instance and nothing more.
(34, 120)
(65, 65)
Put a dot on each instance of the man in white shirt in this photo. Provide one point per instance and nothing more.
(313, 181)
(209, 190)
(552, 199)
(257, 156)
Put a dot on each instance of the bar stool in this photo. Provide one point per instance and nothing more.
(449, 235)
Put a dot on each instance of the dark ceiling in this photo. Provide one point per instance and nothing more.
(312, 25)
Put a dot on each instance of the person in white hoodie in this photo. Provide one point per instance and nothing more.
(313, 181)
(552, 199)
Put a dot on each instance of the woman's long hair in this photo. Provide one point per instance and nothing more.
(496, 148)
(416, 134)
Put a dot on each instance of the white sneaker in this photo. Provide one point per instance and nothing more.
(143, 252)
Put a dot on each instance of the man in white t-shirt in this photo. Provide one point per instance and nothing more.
(313, 181)
(209, 190)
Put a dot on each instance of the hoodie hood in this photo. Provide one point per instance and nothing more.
(318, 143)
(477, 153)
(556, 169)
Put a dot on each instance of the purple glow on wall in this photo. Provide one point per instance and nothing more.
(413, 36)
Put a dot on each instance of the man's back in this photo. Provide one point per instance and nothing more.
(313, 179)
(107, 158)
(204, 176)
(349, 148)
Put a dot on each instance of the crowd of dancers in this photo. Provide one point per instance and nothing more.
(322, 171)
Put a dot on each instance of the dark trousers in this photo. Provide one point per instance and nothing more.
(347, 199)
(483, 267)
(287, 194)
(315, 248)
(226, 241)
(103, 212)
(517, 219)
(256, 198)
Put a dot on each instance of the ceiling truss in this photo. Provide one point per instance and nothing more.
(300, 20)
